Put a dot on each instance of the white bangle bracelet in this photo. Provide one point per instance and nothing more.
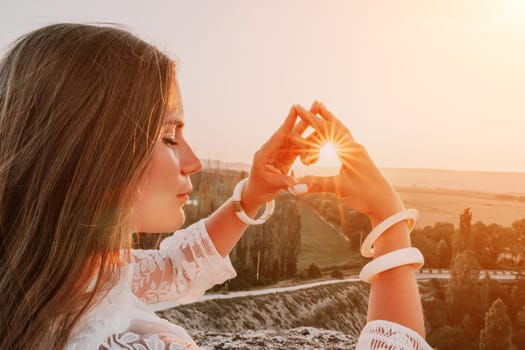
(405, 256)
(241, 214)
(411, 215)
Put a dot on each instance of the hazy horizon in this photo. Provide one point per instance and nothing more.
(248, 163)
(424, 85)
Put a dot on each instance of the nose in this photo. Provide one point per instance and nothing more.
(191, 164)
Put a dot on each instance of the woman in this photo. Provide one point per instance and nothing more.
(92, 150)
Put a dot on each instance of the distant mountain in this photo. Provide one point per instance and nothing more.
(219, 164)
(476, 181)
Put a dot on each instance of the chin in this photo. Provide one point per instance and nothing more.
(177, 219)
(161, 225)
(180, 219)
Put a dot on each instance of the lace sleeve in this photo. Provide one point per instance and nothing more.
(388, 335)
(133, 341)
(185, 266)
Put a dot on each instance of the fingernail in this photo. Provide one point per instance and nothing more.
(299, 189)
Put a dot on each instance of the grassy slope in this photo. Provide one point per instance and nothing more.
(339, 306)
(321, 244)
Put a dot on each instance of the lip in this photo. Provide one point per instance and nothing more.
(184, 196)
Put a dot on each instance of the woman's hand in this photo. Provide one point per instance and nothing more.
(359, 181)
(272, 162)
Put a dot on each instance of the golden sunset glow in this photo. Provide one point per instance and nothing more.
(328, 155)
(403, 76)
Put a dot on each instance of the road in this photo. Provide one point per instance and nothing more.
(424, 274)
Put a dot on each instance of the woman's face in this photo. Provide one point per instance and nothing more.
(166, 185)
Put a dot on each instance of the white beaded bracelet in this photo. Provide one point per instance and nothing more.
(411, 215)
(400, 257)
(241, 214)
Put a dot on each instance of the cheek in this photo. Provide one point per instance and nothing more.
(164, 169)
(157, 207)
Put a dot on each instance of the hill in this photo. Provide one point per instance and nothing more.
(441, 195)
(322, 244)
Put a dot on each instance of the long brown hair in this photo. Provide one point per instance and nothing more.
(80, 109)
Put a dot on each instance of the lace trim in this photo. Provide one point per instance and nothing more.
(133, 341)
(185, 266)
(388, 335)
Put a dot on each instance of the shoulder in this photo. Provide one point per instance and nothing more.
(121, 321)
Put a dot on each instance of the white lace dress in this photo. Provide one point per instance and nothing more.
(185, 266)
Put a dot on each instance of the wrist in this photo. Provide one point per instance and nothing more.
(396, 236)
(249, 200)
(388, 209)
(249, 205)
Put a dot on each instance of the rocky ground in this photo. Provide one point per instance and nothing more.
(323, 317)
(302, 338)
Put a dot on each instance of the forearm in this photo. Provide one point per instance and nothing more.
(225, 228)
(394, 294)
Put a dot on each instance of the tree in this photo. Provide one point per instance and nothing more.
(469, 329)
(443, 254)
(497, 333)
(519, 333)
(481, 243)
(484, 291)
(337, 274)
(462, 291)
(446, 337)
(518, 230)
(462, 237)
(266, 252)
(314, 271)
(517, 296)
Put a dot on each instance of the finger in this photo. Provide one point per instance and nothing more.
(300, 127)
(309, 157)
(320, 183)
(289, 122)
(311, 119)
(286, 182)
(342, 130)
(277, 180)
(298, 189)
(311, 141)
(314, 108)
(352, 152)
(325, 113)
(295, 141)
(316, 184)
(308, 149)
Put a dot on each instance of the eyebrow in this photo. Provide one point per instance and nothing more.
(177, 122)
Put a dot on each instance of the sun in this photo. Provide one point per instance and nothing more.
(328, 155)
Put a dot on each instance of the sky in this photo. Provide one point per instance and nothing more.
(422, 84)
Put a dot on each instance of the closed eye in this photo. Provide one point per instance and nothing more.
(169, 141)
